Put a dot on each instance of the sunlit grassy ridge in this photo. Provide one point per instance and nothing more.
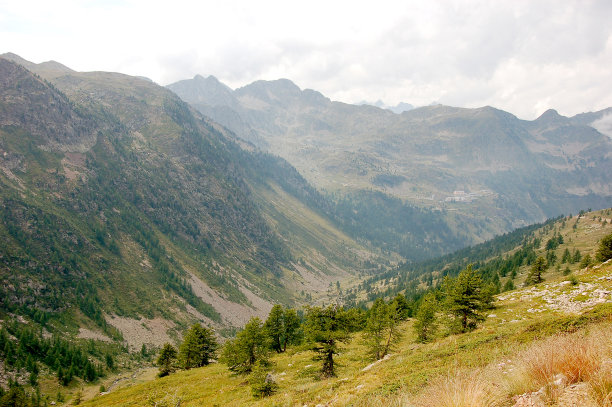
(413, 370)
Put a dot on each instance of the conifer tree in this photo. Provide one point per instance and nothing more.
(381, 330)
(425, 325)
(166, 360)
(374, 332)
(274, 327)
(262, 382)
(325, 329)
(538, 267)
(567, 256)
(466, 299)
(198, 347)
(402, 306)
(250, 346)
(291, 327)
(586, 261)
(604, 251)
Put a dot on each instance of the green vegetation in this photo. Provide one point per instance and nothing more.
(604, 251)
(326, 329)
(537, 269)
(381, 331)
(467, 298)
(262, 382)
(248, 348)
(282, 328)
(166, 360)
(131, 209)
(30, 349)
(426, 325)
(198, 348)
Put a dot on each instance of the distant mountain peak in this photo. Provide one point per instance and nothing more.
(50, 66)
(549, 114)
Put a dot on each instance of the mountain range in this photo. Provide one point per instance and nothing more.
(485, 170)
(127, 213)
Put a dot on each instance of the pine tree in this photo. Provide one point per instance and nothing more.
(166, 360)
(402, 306)
(381, 331)
(425, 325)
(325, 329)
(509, 285)
(291, 327)
(274, 327)
(374, 332)
(198, 347)
(604, 251)
(567, 256)
(241, 353)
(586, 261)
(262, 382)
(466, 299)
(538, 267)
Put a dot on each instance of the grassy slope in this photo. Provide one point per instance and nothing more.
(521, 317)
(584, 237)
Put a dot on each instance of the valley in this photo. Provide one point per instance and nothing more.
(523, 171)
(130, 213)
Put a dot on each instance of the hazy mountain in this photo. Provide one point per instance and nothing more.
(487, 170)
(399, 108)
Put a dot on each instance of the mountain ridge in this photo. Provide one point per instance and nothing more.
(533, 169)
(149, 197)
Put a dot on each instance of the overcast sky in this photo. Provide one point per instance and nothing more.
(520, 56)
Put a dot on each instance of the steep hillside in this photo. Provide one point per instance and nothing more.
(546, 344)
(488, 171)
(122, 205)
(505, 261)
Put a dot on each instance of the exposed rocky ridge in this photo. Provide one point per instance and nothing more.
(62, 127)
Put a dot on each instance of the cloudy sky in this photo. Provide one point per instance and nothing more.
(520, 56)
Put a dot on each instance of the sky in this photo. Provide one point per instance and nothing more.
(521, 56)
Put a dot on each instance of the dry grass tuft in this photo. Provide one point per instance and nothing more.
(600, 385)
(547, 367)
(563, 360)
(462, 389)
(574, 357)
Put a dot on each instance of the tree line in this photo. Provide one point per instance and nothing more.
(461, 302)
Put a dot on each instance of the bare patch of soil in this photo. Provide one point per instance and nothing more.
(144, 331)
(85, 333)
(235, 314)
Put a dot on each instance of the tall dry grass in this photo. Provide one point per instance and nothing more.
(563, 360)
(463, 389)
(573, 356)
(549, 365)
(600, 384)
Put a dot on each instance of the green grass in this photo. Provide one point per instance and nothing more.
(410, 369)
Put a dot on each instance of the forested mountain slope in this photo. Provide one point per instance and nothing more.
(122, 204)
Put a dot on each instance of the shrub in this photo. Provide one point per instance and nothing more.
(604, 252)
(262, 382)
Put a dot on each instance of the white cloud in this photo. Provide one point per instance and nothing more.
(518, 55)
